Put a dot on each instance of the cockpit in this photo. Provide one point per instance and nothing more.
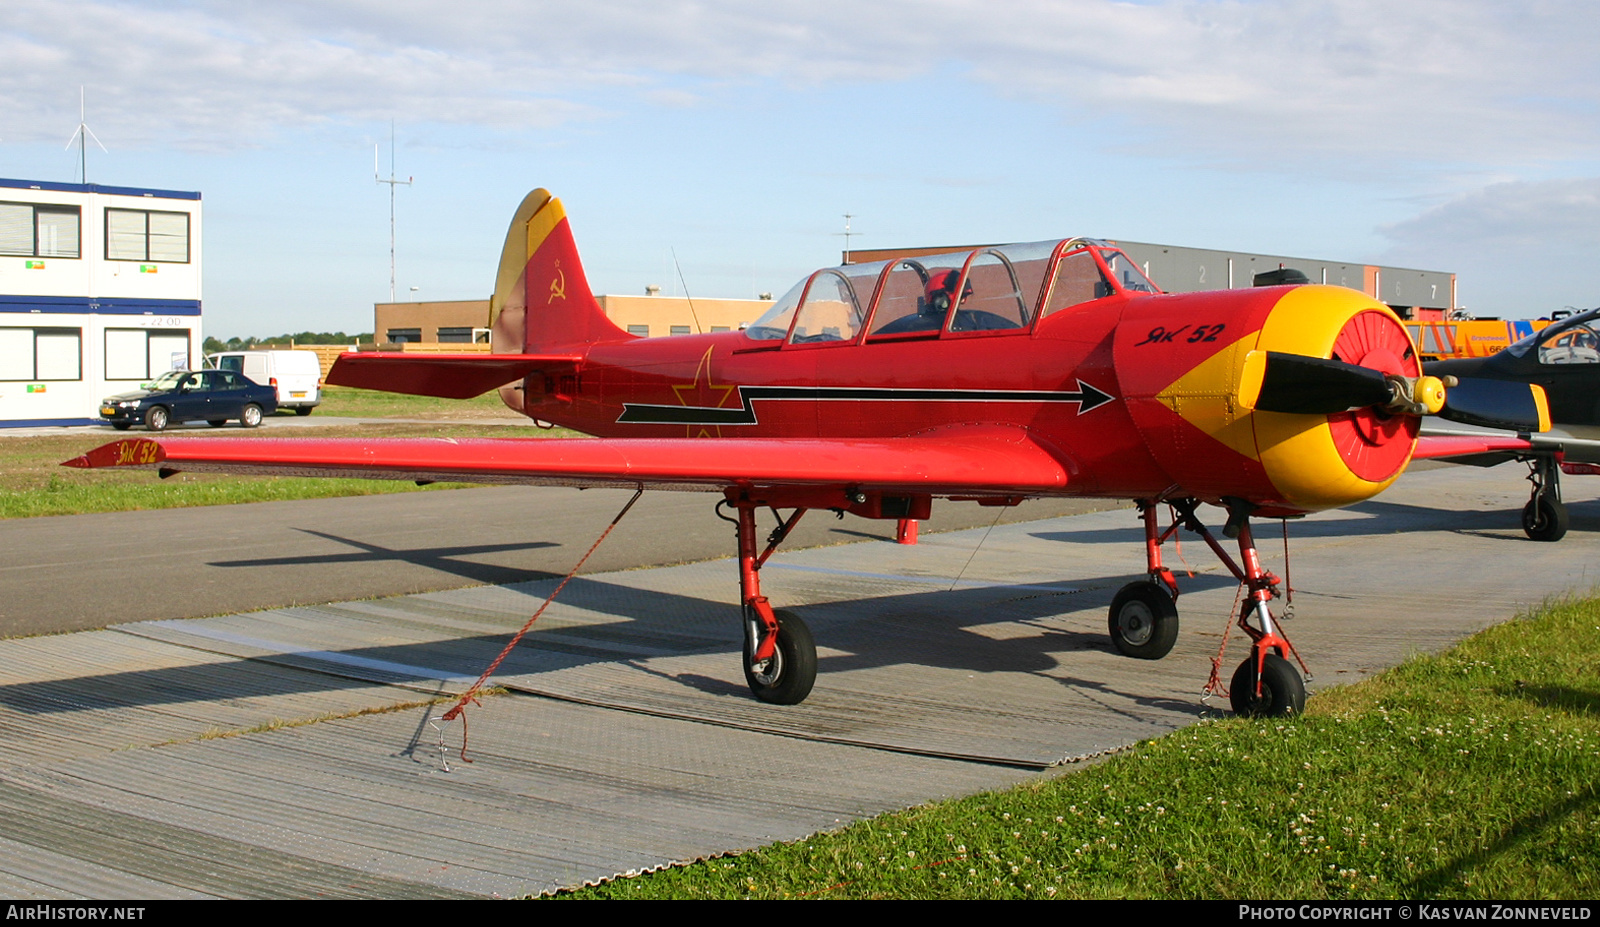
(1573, 340)
(1005, 288)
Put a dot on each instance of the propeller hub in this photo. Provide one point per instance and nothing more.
(1428, 392)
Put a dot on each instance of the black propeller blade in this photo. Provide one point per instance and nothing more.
(1497, 404)
(1302, 385)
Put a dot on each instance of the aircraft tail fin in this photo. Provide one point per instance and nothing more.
(542, 303)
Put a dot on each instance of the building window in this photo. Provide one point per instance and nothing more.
(719, 328)
(146, 235)
(643, 331)
(403, 335)
(139, 353)
(41, 354)
(31, 230)
(679, 330)
(455, 335)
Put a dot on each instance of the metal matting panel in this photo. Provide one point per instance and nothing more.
(559, 794)
(95, 692)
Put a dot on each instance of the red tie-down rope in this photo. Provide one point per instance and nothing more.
(471, 695)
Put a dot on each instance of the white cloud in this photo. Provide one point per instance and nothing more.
(1333, 86)
(1522, 248)
(1555, 214)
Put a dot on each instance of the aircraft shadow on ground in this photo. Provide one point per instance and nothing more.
(936, 628)
(1373, 517)
(451, 560)
(1526, 829)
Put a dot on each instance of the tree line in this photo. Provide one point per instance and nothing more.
(252, 343)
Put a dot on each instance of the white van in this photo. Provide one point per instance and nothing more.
(296, 375)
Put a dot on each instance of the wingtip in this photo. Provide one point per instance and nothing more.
(1542, 402)
(128, 452)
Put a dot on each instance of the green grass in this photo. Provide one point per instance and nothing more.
(365, 403)
(137, 491)
(1469, 775)
(32, 482)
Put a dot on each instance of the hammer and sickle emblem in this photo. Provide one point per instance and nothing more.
(558, 287)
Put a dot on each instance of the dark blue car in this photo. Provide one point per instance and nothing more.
(213, 396)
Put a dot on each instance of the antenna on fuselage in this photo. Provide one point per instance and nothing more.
(392, 182)
(82, 136)
(692, 314)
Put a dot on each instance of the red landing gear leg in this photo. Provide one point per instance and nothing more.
(1143, 620)
(780, 658)
(1265, 684)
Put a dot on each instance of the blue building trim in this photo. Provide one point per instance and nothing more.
(48, 422)
(96, 188)
(101, 305)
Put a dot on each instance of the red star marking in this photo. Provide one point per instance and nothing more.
(704, 394)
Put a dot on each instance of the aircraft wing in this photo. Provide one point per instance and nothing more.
(450, 376)
(1465, 444)
(973, 461)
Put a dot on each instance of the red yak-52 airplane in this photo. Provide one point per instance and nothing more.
(991, 376)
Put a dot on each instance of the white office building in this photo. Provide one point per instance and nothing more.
(99, 292)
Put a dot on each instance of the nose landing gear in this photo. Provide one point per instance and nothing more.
(1144, 617)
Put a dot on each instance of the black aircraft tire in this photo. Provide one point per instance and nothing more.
(1282, 690)
(1545, 519)
(787, 678)
(1143, 621)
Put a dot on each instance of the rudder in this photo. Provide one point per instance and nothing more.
(542, 301)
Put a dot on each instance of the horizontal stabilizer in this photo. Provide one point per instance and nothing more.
(448, 376)
(974, 461)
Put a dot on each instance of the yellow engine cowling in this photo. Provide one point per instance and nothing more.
(1185, 369)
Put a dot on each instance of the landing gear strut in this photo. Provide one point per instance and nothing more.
(1144, 617)
(780, 658)
(1544, 518)
(1264, 685)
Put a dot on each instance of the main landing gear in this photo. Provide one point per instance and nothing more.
(1143, 620)
(780, 658)
(1544, 518)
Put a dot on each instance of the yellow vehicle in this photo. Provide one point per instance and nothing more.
(1475, 338)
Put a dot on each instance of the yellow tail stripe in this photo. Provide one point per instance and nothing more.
(543, 222)
(514, 254)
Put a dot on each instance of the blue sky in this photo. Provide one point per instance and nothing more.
(1455, 136)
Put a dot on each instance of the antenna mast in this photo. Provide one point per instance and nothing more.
(847, 235)
(392, 182)
(82, 136)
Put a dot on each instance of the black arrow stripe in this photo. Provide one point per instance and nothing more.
(1087, 397)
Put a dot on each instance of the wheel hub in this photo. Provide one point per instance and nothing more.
(767, 672)
(1136, 623)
